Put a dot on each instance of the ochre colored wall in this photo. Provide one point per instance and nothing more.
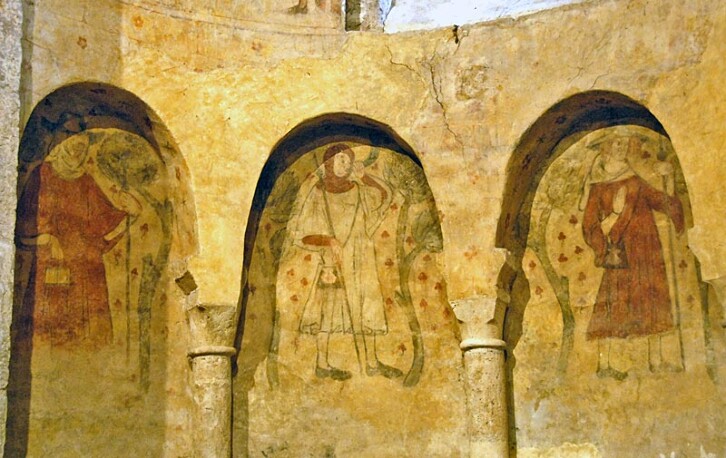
(229, 88)
(228, 96)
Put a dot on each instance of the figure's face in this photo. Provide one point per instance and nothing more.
(75, 151)
(341, 165)
(619, 148)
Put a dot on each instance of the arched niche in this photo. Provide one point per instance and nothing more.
(105, 208)
(352, 354)
(605, 298)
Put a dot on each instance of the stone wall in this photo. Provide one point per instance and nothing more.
(10, 45)
(229, 90)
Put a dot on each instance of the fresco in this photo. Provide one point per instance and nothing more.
(96, 225)
(309, 14)
(362, 326)
(616, 303)
(619, 226)
(332, 6)
(65, 208)
(84, 211)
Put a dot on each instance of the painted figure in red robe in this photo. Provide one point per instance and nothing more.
(69, 222)
(619, 225)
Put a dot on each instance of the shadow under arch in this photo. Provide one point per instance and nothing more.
(552, 133)
(259, 337)
(83, 108)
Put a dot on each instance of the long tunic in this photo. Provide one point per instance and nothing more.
(79, 215)
(633, 299)
(346, 297)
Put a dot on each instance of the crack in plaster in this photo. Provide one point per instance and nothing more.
(403, 64)
(438, 96)
(459, 33)
(424, 81)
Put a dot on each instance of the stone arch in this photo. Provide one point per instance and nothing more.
(566, 121)
(109, 335)
(293, 164)
(556, 130)
(306, 135)
(301, 139)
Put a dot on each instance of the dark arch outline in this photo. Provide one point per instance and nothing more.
(106, 106)
(90, 105)
(560, 124)
(303, 138)
(556, 129)
(582, 112)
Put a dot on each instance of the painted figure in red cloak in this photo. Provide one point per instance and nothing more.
(619, 225)
(69, 223)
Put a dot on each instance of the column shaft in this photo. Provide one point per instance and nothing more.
(212, 384)
(486, 378)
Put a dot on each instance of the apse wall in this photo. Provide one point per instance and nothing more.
(229, 86)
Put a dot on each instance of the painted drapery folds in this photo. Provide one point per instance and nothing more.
(70, 224)
(347, 250)
(608, 245)
(619, 226)
(94, 237)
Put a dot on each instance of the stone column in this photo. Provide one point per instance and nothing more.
(480, 321)
(212, 330)
(11, 17)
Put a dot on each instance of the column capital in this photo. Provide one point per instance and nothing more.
(481, 320)
(212, 326)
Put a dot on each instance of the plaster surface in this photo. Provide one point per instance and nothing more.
(229, 86)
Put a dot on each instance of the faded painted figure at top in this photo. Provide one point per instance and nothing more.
(70, 223)
(302, 6)
(337, 220)
(619, 226)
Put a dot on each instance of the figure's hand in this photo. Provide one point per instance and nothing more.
(56, 252)
(337, 251)
(358, 171)
(619, 201)
(679, 225)
(680, 229)
(609, 222)
(128, 203)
